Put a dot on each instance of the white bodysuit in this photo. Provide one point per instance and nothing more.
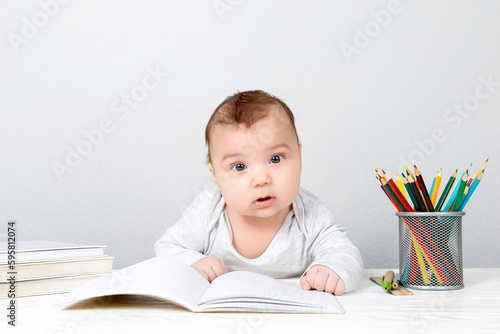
(308, 236)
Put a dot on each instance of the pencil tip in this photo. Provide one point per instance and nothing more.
(487, 159)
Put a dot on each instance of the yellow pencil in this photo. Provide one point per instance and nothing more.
(435, 190)
(400, 186)
(420, 259)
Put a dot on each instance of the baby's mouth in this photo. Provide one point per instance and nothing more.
(265, 202)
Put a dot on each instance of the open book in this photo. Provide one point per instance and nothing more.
(179, 283)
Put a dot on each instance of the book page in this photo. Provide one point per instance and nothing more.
(159, 277)
(242, 291)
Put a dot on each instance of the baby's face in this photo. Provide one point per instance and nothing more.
(257, 170)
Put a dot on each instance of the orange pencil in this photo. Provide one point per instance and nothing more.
(435, 190)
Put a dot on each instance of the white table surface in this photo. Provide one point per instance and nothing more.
(473, 309)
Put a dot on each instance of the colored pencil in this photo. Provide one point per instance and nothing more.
(410, 193)
(446, 191)
(401, 188)
(421, 263)
(427, 244)
(410, 175)
(475, 183)
(432, 188)
(416, 194)
(390, 194)
(435, 188)
(453, 196)
(481, 169)
(381, 186)
(460, 193)
(413, 176)
(423, 189)
(396, 191)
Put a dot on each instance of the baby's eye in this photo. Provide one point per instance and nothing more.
(238, 167)
(276, 159)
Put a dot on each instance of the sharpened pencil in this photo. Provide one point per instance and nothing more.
(391, 195)
(446, 191)
(396, 191)
(401, 188)
(416, 193)
(423, 189)
(410, 192)
(460, 193)
(475, 183)
(453, 196)
(435, 188)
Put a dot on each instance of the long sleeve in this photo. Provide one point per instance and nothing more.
(188, 239)
(330, 245)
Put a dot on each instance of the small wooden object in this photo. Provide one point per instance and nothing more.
(399, 291)
(387, 280)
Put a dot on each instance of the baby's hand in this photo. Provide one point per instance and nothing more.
(210, 267)
(323, 278)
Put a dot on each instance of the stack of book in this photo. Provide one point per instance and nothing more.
(47, 267)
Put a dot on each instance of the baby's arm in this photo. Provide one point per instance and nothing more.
(184, 241)
(188, 239)
(332, 249)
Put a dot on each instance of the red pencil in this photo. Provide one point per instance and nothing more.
(398, 194)
(388, 193)
(423, 189)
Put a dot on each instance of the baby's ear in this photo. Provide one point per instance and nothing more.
(211, 168)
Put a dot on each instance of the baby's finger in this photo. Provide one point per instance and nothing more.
(320, 280)
(309, 276)
(211, 274)
(331, 283)
(219, 268)
(204, 274)
(340, 289)
(304, 283)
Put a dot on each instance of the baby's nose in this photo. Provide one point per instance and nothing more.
(261, 177)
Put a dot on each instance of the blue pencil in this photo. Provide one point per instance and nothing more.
(432, 187)
(473, 186)
(453, 196)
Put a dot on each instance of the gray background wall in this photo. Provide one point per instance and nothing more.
(372, 84)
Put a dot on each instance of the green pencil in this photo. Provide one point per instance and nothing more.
(460, 194)
(446, 191)
(410, 192)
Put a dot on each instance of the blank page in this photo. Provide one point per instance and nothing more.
(240, 288)
(159, 277)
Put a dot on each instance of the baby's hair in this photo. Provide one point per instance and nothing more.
(245, 108)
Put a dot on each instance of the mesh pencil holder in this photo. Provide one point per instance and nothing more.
(430, 250)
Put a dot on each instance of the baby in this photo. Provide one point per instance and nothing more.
(258, 218)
